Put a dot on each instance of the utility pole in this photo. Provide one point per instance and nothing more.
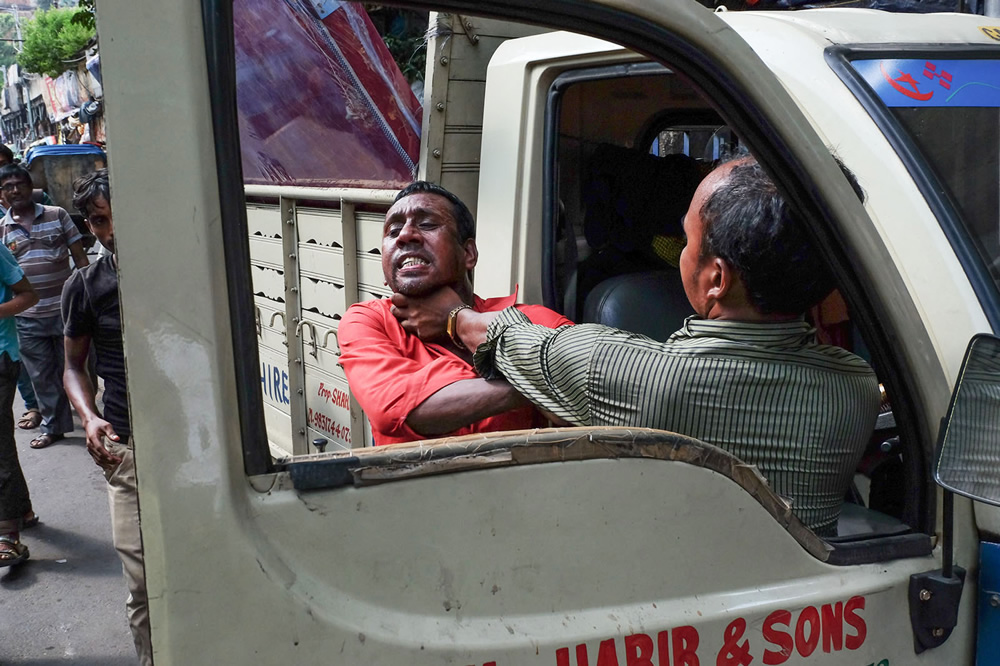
(27, 86)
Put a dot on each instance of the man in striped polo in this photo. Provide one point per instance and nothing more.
(745, 373)
(42, 239)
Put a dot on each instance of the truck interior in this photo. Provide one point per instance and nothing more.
(626, 147)
(622, 184)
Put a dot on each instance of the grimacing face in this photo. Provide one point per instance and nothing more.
(421, 251)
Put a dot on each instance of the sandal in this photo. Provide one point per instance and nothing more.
(30, 420)
(29, 519)
(44, 440)
(12, 551)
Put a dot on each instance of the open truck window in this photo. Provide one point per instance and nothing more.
(625, 145)
(622, 182)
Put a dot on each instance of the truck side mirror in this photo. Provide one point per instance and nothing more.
(965, 465)
(970, 433)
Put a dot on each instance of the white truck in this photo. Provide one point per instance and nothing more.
(569, 546)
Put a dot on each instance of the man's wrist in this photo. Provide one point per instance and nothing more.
(451, 324)
(470, 328)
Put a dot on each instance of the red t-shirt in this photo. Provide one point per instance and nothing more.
(391, 372)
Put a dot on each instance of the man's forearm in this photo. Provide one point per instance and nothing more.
(80, 392)
(550, 367)
(471, 327)
(79, 255)
(18, 304)
(464, 402)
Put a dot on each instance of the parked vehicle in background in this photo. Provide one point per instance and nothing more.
(54, 169)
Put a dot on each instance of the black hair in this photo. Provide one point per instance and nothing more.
(89, 188)
(748, 224)
(464, 221)
(6, 153)
(15, 171)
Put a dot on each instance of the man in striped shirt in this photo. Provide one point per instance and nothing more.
(745, 374)
(42, 239)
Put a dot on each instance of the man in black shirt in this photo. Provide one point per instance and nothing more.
(91, 314)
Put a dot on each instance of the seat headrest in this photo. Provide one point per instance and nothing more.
(651, 303)
(632, 196)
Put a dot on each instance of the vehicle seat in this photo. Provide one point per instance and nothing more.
(651, 303)
(631, 197)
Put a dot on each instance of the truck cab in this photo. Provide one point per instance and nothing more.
(562, 546)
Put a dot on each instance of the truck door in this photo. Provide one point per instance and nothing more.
(564, 547)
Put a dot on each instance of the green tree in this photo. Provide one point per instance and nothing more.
(50, 38)
(403, 32)
(86, 16)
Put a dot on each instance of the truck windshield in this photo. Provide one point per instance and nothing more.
(949, 111)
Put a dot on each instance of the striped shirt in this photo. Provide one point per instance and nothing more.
(40, 243)
(766, 392)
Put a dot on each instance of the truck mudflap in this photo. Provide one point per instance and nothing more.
(559, 445)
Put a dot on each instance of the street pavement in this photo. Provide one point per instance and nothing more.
(66, 604)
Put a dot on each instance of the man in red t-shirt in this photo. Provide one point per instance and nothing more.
(412, 389)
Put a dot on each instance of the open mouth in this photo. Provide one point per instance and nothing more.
(411, 263)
